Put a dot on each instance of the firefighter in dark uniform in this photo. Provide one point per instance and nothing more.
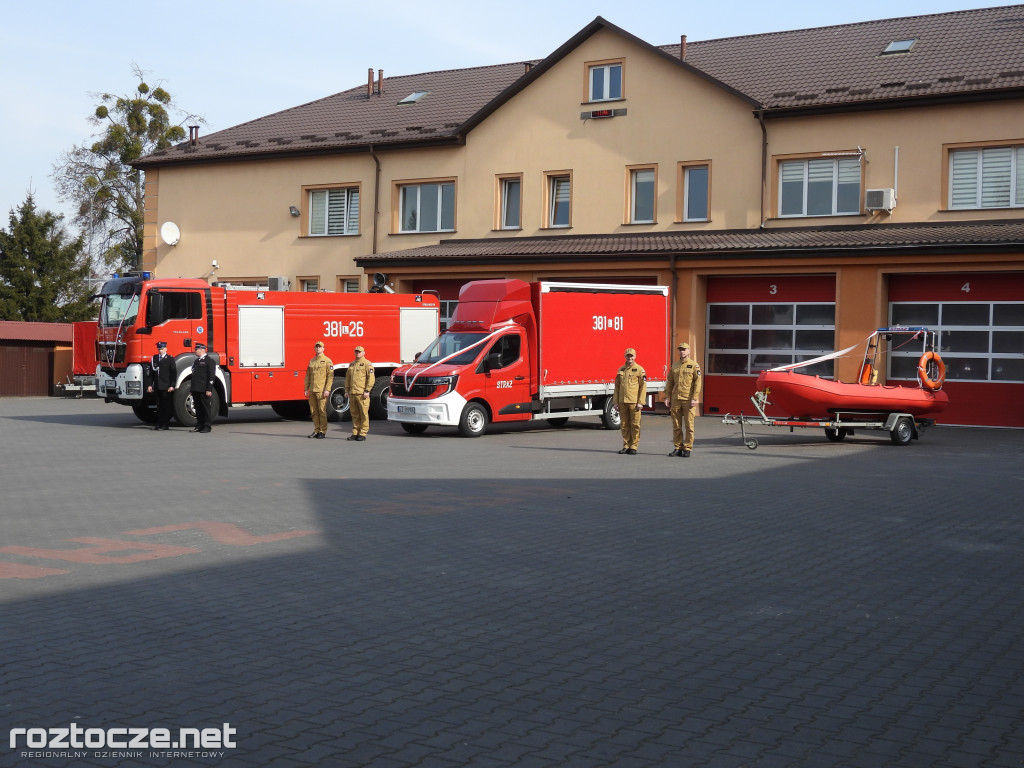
(163, 376)
(682, 393)
(319, 380)
(359, 380)
(629, 397)
(204, 374)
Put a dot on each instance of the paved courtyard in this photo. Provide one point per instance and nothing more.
(527, 599)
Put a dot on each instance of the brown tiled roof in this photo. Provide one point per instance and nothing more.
(954, 236)
(963, 54)
(351, 120)
(14, 330)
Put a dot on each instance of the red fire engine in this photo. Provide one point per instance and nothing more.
(519, 351)
(262, 341)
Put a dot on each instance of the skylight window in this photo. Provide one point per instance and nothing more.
(900, 46)
(412, 98)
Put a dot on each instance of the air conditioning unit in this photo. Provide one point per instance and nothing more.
(278, 283)
(880, 199)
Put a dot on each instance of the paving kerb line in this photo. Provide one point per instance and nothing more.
(526, 598)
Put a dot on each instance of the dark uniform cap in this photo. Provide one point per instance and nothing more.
(200, 345)
(161, 345)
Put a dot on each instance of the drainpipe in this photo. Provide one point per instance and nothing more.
(764, 161)
(675, 299)
(376, 198)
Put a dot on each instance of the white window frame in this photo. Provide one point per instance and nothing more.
(650, 176)
(333, 212)
(687, 188)
(605, 70)
(408, 192)
(559, 194)
(807, 171)
(986, 177)
(507, 221)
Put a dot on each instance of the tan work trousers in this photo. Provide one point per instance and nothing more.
(359, 407)
(682, 413)
(318, 410)
(630, 425)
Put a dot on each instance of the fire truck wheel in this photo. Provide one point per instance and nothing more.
(558, 423)
(337, 404)
(379, 398)
(185, 409)
(146, 413)
(474, 420)
(292, 410)
(610, 417)
(414, 429)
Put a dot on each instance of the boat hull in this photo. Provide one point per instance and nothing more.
(808, 396)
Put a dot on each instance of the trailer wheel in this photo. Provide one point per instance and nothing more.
(610, 417)
(414, 429)
(903, 432)
(145, 412)
(185, 408)
(338, 404)
(835, 434)
(752, 444)
(559, 422)
(379, 398)
(474, 420)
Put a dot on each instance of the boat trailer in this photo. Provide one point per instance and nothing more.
(902, 427)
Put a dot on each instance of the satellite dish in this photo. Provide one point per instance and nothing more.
(170, 233)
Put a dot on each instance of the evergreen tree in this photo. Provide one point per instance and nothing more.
(43, 275)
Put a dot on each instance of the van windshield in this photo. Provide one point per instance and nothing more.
(450, 344)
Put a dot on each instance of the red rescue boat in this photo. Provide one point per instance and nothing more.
(811, 396)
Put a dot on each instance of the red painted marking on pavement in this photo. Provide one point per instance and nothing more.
(95, 553)
(225, 533)
(19, 571)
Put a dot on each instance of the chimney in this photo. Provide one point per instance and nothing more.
(380, 81)
(682, 47)
(369, 82)
(528, 66)
(193, 135)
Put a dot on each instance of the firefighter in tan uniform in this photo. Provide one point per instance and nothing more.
(629, 397)
(319, 380)
(358, 385)
(682, 393)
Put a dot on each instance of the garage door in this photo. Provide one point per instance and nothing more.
(759, 322)
(980, 321)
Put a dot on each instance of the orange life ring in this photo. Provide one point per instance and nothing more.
(922, 370)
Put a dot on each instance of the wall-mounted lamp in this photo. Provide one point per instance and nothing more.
(293, 211)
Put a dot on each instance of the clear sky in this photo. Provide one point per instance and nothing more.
(231, 61)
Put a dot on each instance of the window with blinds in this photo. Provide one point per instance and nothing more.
(987, 178)
(334, 211)
(820, 187)
(560, 198)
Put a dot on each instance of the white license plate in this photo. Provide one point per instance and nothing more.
(407, 409)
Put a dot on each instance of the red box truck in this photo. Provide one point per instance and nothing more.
(518, 351)
(262, 341)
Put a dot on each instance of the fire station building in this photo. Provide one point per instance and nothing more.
(795, 190)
